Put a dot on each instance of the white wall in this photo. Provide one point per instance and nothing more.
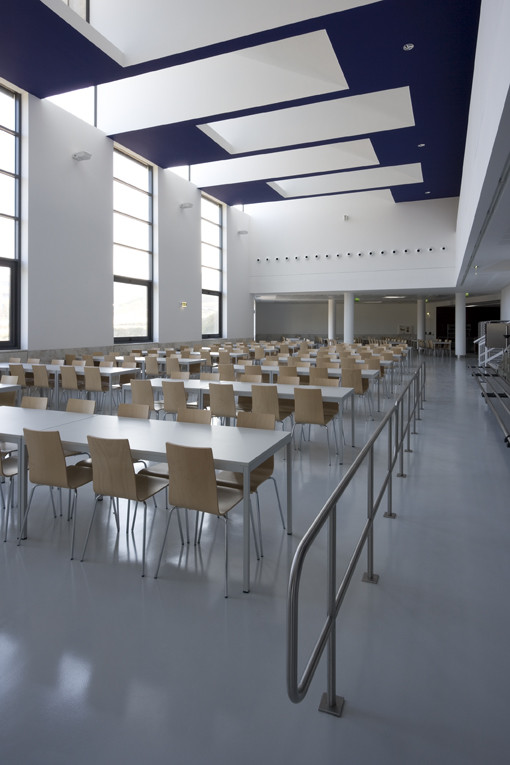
(307, 227)
(67, 231)
(178, 274)
(238, 313)
(490, 93)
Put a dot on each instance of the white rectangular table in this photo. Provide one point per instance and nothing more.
(237, 449)
(331, 394)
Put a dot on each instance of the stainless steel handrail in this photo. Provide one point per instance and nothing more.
(398, 422)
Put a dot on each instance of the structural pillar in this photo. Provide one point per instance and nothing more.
(331, 318)
(505, 304)
(460, 324)
(348, 317)
(420, 319)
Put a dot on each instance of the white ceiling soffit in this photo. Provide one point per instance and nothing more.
(339, 118)
(297, 67)
(281, 164)
(157, 28)
(356, 180)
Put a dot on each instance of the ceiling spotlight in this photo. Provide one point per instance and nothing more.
(427, 192)
(393, 252)
(408, 46)
(317, 256)
(339, 254)
(421, 145)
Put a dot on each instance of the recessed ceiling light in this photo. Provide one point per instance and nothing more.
(427, 192)
(421, 145)
(408, 46)
(394, 297)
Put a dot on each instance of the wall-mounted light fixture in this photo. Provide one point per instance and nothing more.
(183, 304)
(80, 156)
(186, 205)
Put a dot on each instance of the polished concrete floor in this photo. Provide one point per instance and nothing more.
(98, 665)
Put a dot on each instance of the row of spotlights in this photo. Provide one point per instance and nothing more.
(352, 254)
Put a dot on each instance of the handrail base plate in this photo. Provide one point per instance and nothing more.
(336, 709)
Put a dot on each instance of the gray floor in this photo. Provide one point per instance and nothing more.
(100, 666)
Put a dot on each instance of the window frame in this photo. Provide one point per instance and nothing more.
(13, 264)
(147, 283)
(217, 293)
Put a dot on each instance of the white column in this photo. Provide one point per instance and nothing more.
(504, 314)
(420, 319)
(331, 318)
(460, 324)
(348, 317)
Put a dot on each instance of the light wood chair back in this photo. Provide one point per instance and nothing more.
(16, 370)
(214, 376)
(288, 379)
(8, 397)
(351, 378)
(264, 400)
(69, 379)
(179, 375)
(81, 405)
(41, 379)
(152, 366)
(9, 379)
(222, 400)
(198, 416)
(34, 402)
(113, 473)
(308, 406)
(226, 372)
(142, 393)
(174, 396)
(193, 483)
(46, 461)
(137, 411)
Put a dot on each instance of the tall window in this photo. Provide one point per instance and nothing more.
(132, 249)
(9, 218)
(212, 265)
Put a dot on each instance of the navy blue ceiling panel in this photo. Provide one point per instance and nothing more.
(40, 53)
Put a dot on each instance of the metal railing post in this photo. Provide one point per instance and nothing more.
(330, 702)
(389, 489)
(369, 575)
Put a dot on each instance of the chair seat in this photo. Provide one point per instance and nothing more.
(78, 475)
(235, 480)
(147, 485)
(159, 469)
(9, 466)
(228, 497)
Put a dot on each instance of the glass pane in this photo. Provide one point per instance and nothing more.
(7, 237)
(211, 279)
(5, 304)
(211, 233)
(7, 110)
(134, 233)
(130, 201)
(7, 194)
(130, 171)
(7, 152)
(211, 256)
(210, 315)
(130, 310)
(211, 211)
(131, 263)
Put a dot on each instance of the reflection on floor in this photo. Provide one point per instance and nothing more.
(101, 666)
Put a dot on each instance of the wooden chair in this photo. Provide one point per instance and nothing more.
(152, 366)
(42, 380)
(17, 370)
(137, 411)
(227, 372)
(143, 393)
(113, 475)
(193, 487)
(81, 406)
(174, 397)
(352, 378)
(264, 400)
(309, 410)
(47, 467)
(260, 474)
(69, 381)
(222, 402)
